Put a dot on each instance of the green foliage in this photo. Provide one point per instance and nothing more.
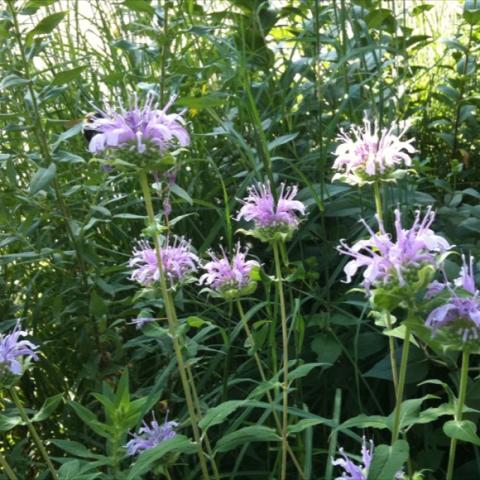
(266, 87)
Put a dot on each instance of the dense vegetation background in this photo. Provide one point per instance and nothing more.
(267, 86)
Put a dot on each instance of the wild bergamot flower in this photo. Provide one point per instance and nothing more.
(139, 132)
(459, 317)
(229, 277)
(15, 353)
(388, 261)
(150, 436)
(368, 154)
(353, 471)
(270, 216)
(178, 262)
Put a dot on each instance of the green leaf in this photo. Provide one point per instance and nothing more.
(67, 134)
(464, 430)
(91, 420)
(410, 411)
(365, 421)
(68, 75)
(378, 16)
(180, 192)
(12, 81)
(387, 461)
(178, 444)
(218, 414)
(304, 424)
(75, 448)
(326, 347)
(471, 11)
(420, 9)
(139, 6)
(33, 5)
(48, 407)
(254, 433)
(42, 178)
(98, 306)
(196, 322)
(46, 25)
(303, 370)
(8, 422)
(281, 140)
(122, 395)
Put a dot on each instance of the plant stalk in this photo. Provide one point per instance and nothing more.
(462, 393)
(283, 318)
(261, 371)
(8, 469)
(401, 385)
(391, 340)
(33, 433)
(172, 326)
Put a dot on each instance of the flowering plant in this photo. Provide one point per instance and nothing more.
(230, 278)
(150, 436)
(353, 471)
(457, 320)
(178, 262)
(15, 355)
(368, 155)
(140, 135)
(400, 265)
(273, 219)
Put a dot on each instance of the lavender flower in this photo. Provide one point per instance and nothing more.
(352, 471)
(435, 288)
(460, 316)
(150, 436)
(138, 128)
(386, 260)
(232, 276)
(367, 154)
(178, 261)
(140, 321)
(14, 352)
(268, 215)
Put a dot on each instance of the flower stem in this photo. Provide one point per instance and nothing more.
(283, 317)
(196, 402)
(378, 201)
(261, 371)
(33, 432)
(401, 385)
(172, 327)
(391, 340)
(8, 469)
(462, 393)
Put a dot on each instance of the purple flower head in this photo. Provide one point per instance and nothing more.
(14, 351)
(389, 260)
(460, 316)
(138, 128)
(368, 153)
(178, 261)
(266, 213)
(150, 436)
(352, 471)
(224, 274)
(141, 321)
(466, 280)
(435, 288)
